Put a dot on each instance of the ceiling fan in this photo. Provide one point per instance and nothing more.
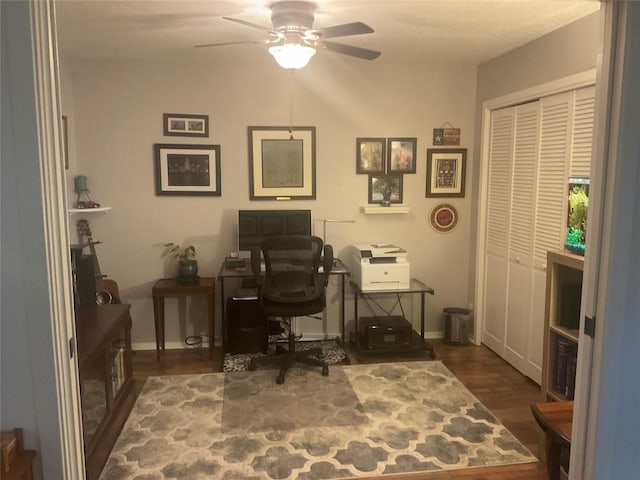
(293, 40)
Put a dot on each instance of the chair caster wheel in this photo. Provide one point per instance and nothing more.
(432, 355)
(280, 379)
(252, 365)
(325, 371)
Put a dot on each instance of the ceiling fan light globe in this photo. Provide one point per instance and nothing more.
(292, 55)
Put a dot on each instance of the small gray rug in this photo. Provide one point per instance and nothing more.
(409, 417)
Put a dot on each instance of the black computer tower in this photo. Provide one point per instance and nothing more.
(84, 277)
(246, 327)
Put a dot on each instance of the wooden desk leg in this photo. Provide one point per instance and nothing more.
(210, 308)
(553, 451)
(156, 323)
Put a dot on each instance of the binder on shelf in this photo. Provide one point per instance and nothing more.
(565, 350)
(570, 388)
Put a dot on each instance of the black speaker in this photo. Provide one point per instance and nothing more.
(246, 327)
(84, 277)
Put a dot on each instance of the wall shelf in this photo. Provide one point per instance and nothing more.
(89, 210)
(379, 209)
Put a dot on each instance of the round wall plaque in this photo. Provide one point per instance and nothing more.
(444, 217)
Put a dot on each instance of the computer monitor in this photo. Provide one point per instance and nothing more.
(256, 225)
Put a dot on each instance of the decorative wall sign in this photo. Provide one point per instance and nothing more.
(282, 163)
(445, 172)
(443, 217)
(370, 155)
(446, 135)
(187, 169)
(184, 125)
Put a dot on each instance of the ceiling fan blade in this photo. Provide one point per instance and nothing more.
(246, 42)
(355, 28)
(253, 25)
(358, 52)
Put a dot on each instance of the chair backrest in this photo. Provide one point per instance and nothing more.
(292, 281)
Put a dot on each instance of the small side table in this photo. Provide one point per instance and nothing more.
(169, 287)
(555, 419)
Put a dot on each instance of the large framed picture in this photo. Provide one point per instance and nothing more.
(187, 169)
(445, 172)
(282, 163)
(370, 155)
(402, 155)
(385, 188)
(185, 125)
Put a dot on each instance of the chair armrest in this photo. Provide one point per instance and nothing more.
(328, 262)
(255, 261)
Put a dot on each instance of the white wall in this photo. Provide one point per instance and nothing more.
(115, 111)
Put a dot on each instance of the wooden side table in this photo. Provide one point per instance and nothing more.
(555, 419)
(169, 287)
(17, 463)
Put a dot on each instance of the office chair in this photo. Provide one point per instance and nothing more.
(292, 286)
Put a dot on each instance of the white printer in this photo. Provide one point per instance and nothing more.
(380, 266)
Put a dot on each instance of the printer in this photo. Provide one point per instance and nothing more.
(379, 267)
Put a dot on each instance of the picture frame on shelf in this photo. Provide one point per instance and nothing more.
(185, 125)
(282, 163)
(379, 183)
(401, 156)
(446, 172)
(370, 155)
(187, 169)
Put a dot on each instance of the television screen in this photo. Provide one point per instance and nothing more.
(256, 225)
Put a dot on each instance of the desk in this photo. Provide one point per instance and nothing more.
(169, 287)
(414, 344)
(225, 274)
(555, 419)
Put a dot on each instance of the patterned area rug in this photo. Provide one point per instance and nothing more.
(360, 421)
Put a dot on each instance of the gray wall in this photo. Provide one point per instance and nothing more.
(29, 397)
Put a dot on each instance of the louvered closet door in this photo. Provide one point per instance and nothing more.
(550, 216)
(498, 204)
(520, 234)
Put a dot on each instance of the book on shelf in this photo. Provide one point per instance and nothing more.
(565, 351)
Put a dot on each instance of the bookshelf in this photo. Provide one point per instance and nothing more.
(562, 320)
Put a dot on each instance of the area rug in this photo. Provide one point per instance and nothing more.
(360, 421)
(332, 352)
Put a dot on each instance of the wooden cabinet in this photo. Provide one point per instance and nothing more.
(562, 319)
(106, 383)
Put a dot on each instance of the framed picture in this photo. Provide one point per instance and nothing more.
(187, 169)
(402, 155)
(370, 155)
(445, 172)
(183, 125)
(385, 188)
(65, 142)
(282, 163)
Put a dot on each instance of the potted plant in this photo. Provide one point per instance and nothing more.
(187, 263)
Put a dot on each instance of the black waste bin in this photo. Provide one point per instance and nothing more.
(457, 325)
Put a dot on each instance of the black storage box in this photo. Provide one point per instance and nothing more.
(385, 333)
(246, 327)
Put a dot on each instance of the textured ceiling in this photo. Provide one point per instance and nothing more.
(406, 31)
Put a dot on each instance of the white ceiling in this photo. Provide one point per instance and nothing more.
(406, 31)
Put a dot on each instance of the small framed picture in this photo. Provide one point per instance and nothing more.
(445, 172)
(402, 155)
(184, 125)
(385, 188)
(187, 169)
(370, 155)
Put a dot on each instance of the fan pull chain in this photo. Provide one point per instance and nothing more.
(290, 104)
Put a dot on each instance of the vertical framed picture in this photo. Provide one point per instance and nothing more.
(185, 125)
(370, 155)
(187, 169)
(401, 155)
(282, 163)
(446, 172)
(385, 188)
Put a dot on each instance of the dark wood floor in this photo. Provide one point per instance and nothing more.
(503, 390)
